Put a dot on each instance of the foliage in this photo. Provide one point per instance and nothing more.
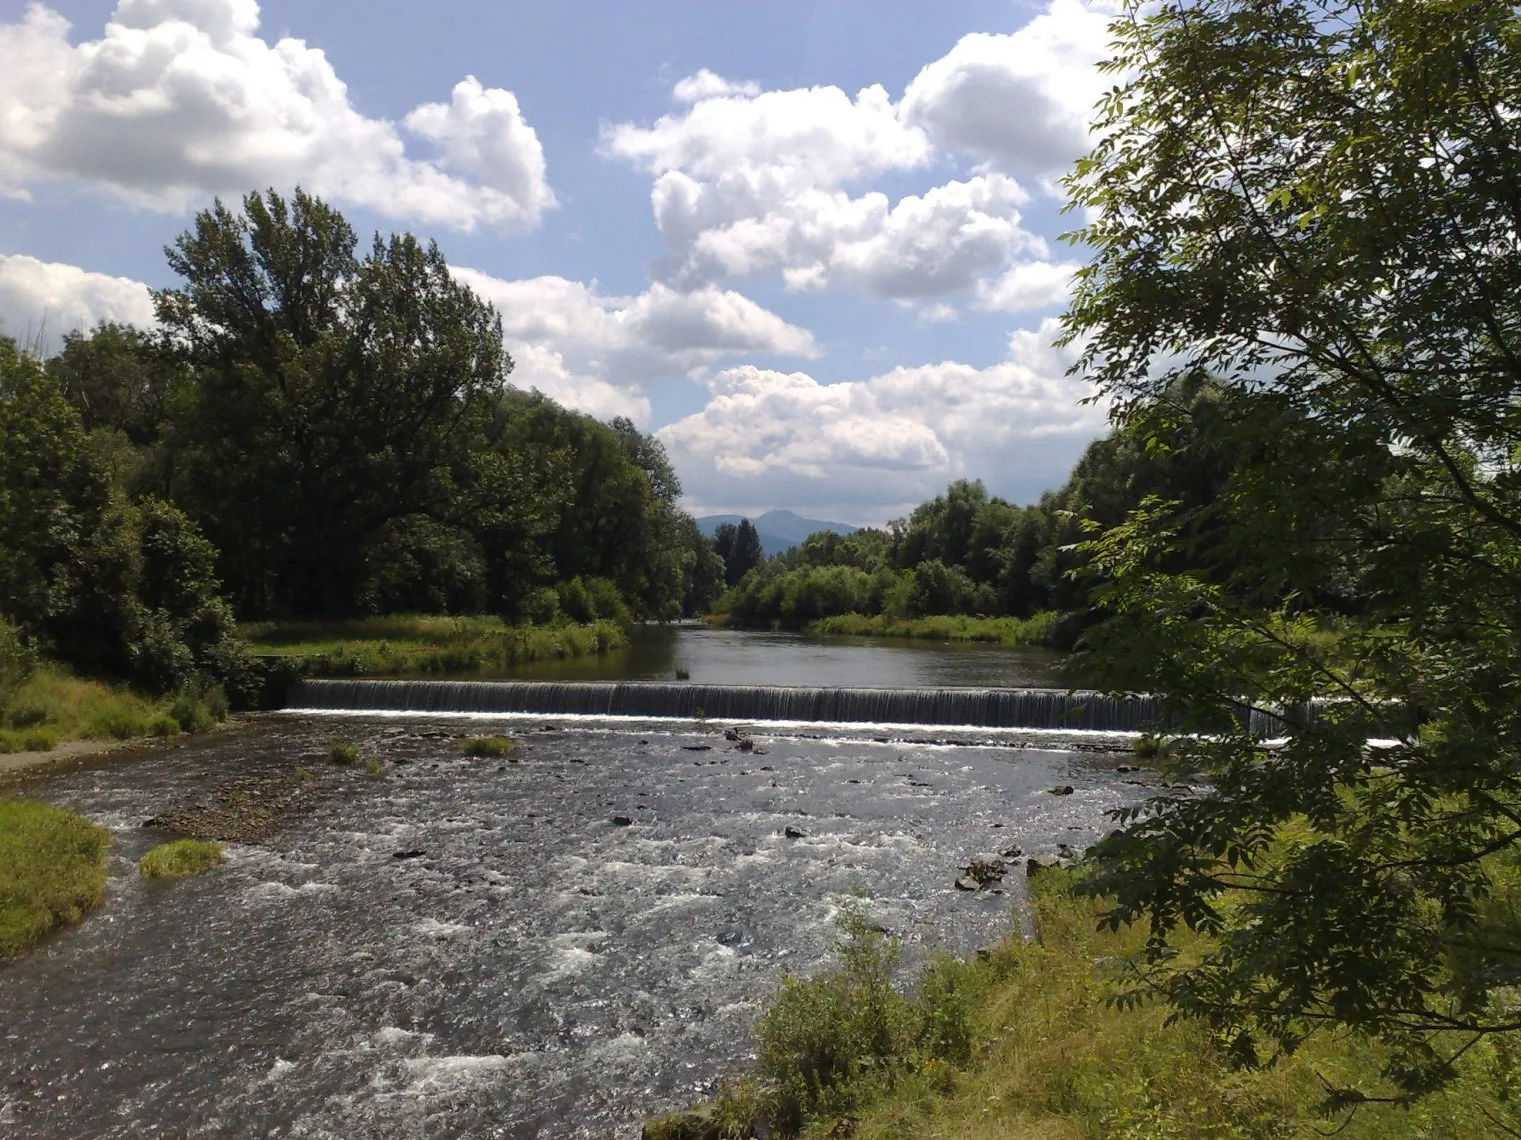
(1314, 206)
(739, 546)
(17, 661)
(588, 600)
(52, 870)
(180, 859)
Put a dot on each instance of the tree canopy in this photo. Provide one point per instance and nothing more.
(1316, 205)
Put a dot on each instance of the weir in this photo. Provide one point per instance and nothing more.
(1050, 709)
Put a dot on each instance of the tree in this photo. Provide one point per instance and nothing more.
(108, 586)
(1317, 205)
(333, 394)
(740, 548)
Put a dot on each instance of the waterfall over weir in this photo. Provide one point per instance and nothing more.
(1052, 709)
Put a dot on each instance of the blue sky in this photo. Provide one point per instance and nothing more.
(812, 245)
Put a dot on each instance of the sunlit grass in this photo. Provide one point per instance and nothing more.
(52, 870)
(55, 706)
(180, 859)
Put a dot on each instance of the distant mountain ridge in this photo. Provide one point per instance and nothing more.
(779, 530)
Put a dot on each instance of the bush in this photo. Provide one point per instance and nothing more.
(114, 720)
(591, 599)
(28, 716)
(541, 605)
(826, 1040)
(16, 664)
(181, 858)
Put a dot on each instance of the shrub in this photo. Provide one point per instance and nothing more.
(541, 605)
(590, 599)
(489, 747)
(826, 1040)
(375, 766)
(115, 721)
(343, 753)
(28, 716)
(180, 859)
(164, 725)
(16, 664)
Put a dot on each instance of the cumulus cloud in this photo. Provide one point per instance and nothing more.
(180, 99)
(594, 351)
(42, 300)
(1019, 102)
(871, 447)
(749, 182)
(1028, 285)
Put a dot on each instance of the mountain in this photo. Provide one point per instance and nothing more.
(778, 530)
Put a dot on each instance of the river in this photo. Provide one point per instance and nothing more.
(574, 940)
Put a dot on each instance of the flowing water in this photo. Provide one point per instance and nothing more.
(553, 945)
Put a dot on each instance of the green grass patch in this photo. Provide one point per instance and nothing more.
(52, 870)
(344, 753)
(394, 646)
(55, 706)
(180, 859)
(489, 747)
(1037, 630)
(1022, 1042)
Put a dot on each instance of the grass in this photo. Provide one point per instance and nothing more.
(56, 706)
(489, 747)
(1036, 630)
(52, 870)
(343, 753)
(180, 859)
(1021, 1042)
(393, 646)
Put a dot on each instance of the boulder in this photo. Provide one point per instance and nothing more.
(794, 832)
(1061, 790)
(622, 821)
(1038, 863)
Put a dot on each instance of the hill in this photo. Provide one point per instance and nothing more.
(778, 530)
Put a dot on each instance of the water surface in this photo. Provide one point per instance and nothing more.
(539, 970)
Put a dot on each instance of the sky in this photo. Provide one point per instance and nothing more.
(813, 246)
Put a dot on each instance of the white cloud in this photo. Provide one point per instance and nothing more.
(748, 182)
(41, 300)
(868, 447)
(180, 99)
(1020, 102)
(1028, 285)
(594, 351)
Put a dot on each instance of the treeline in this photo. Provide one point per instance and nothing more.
(313, 432)
(966, 552)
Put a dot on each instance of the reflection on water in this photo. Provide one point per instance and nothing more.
(743, 657)
(574, 938)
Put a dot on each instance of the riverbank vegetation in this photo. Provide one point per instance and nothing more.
(1038, 629)
(1025, 1040)
(53, 707)
(52, 870)
(180, 858)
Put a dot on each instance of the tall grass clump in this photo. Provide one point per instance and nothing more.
(52, 870)
(489, 747)
(180, 859)
(344, 754)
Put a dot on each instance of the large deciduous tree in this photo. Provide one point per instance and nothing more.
(334, 394)
(1318, 205)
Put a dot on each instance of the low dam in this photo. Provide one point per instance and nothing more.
(1056, 710)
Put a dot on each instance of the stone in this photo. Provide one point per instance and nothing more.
(793, 832)
(984, 869)
(410, 853)
(698, 747)
(1126, 768)
(967, 883)
(745, 744)
(730, 734)
(622, 820)
(1013, 852)
(1038, 863)
(1063, 790)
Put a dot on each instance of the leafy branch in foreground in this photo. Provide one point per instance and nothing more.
(1311, 211)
